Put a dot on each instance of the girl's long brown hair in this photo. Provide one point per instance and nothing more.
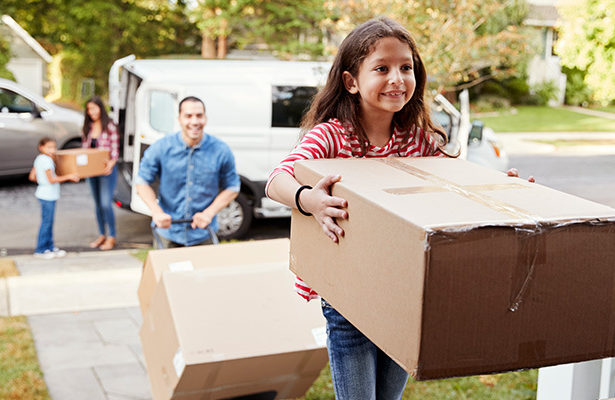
(87, 121)
(334, 101)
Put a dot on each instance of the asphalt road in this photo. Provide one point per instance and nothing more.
(591, 176)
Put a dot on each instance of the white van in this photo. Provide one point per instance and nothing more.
(255, 106)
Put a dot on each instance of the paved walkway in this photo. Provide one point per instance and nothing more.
(84, 315)
(595, 113)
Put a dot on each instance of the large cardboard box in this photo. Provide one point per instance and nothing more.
(198, 257)
(455, 269)
(83, 162)
(219, 333)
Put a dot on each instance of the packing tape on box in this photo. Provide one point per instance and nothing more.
(472, 192)
(532, 242)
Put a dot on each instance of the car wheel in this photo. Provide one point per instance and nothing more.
(73, 144)
(234, 220)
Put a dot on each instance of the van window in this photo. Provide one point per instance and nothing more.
(289, 103)
(11, 102)
(162, 111)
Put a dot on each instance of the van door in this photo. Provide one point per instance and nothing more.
(155, 109)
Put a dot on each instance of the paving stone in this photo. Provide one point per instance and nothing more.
(138, 352)
(100, 315)
(83, 355)
(74, 384)
(135, 313)
(118, 331)
(128, 380)
(59, 329)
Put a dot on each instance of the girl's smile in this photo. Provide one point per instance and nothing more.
(385, 81)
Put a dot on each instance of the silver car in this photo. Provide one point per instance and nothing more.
(25, 118)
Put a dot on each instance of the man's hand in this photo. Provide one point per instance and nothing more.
(201, 220)
(161, 219)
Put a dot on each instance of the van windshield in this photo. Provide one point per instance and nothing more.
(289, 103)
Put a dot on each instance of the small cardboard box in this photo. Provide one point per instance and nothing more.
(198, 257)
(219, 333)
(83, 162)
(455, 269)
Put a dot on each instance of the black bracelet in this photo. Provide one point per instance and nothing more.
(301, 210)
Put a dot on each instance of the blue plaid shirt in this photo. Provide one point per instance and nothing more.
(190, 180)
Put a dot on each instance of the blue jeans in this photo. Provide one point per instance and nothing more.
(102, 191)
(360, 370)
(45, 233)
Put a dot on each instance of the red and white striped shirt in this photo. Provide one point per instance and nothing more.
(332, 139)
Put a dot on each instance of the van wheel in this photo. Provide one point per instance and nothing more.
(234, 220)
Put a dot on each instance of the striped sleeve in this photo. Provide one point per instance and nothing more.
(323, 141)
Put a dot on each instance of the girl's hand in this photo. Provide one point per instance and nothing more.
(514, 173)
(73, 177)
(324, 207)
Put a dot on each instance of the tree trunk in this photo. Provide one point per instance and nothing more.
(208, 47)
(222, 39)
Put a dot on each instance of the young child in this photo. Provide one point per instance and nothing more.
(371, 106)
(47, 192)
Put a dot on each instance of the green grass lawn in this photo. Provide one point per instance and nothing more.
(547, 119)
(520, 385)
(20, 375)
(610, 108)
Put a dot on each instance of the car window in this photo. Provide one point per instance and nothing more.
(162, 111)
(11, 102)
(289, 103)
(443, 119)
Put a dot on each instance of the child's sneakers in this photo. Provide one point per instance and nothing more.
(58, 252)
(46, 255)
(49, 254)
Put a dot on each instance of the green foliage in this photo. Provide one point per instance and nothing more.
(577, 91)
(5, 56)
(587, 42)
(544, 92)
(285, 26)
(94, 33)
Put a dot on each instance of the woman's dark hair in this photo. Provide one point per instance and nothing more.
(334, 101)
(87, 121)
(44, 140)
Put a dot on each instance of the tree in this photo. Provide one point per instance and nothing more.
(285, 26)
(462, 43)
(587, 42)
(90, 34)
(5, 56)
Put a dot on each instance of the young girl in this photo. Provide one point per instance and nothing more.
(371, 106)
(100, 132)
(47, 192)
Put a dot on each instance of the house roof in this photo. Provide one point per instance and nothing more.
(542, 15)
(25, 36)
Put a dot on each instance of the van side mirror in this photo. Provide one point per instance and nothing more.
(476, 133)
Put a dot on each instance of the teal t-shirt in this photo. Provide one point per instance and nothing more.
(45, 190)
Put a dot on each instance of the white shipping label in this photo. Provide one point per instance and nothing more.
(178, 362)
(320, 336)
(181, 266)
(82, 159)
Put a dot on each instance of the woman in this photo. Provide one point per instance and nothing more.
(100, 132)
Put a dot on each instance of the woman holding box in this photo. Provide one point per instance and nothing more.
(100, 132)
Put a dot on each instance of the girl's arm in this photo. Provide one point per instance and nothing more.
(317, 201)
(52, 178)
(32, 175)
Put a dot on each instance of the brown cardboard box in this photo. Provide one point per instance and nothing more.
(218, 333)
(455, 269)
(197, 257)
(84, 162)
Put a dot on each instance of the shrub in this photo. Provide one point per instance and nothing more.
(577, 92)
